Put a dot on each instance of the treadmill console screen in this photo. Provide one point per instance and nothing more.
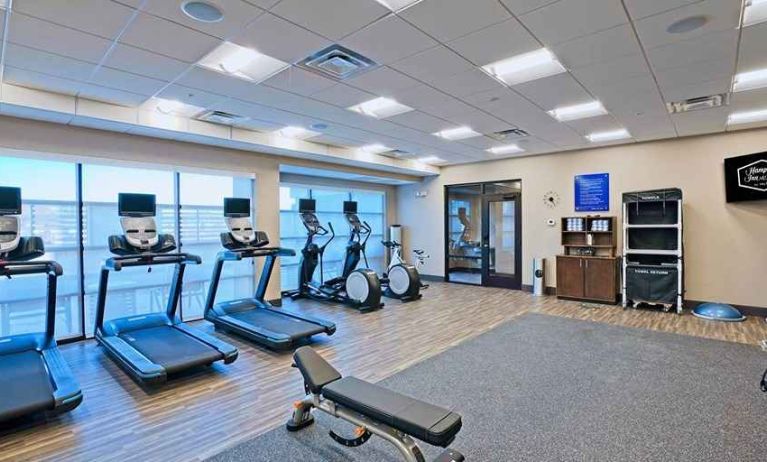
(350, 207)
(235, 207)
(10, 201)
(136, 205)
(307, 205)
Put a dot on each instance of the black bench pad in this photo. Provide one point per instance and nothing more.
(424, 421)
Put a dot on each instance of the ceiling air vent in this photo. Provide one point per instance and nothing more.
(507, 135)
(696, 104)
(223, 118)
(337, 62)
(397, 154)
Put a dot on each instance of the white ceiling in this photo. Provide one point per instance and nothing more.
(341, 175)
(617, 51)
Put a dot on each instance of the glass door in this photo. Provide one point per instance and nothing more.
(501, 241)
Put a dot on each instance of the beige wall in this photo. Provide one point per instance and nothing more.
(725, 244)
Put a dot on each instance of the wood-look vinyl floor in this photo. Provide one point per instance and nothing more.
(199, 415)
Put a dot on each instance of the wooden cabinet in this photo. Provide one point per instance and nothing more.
(587, 278)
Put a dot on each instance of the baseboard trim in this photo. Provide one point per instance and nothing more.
(432, 278)
(549, 290)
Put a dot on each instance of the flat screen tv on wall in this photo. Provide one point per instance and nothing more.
(745, 177)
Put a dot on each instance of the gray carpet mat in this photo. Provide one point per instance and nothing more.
(548, 388)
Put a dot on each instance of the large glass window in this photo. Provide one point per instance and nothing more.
(132, 290)
(49, 197)
(370, 207)
(202, 222)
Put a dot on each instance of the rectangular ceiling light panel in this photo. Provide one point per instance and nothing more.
(750, 80)
(173, 107)
(457, 133)
(578, 111)
(241, 62)
(297, 133)
(431, 160)
(375, 148)
(755, 12)
(611, 135)
(381, 108)
(525, 67)
(747, 117)
(506, 149)
(398, 5)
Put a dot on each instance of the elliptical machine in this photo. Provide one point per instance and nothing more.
(359, 288)
(403, 281)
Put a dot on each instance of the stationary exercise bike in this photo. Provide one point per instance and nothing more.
(401, 280)
(396, 260)
(359, 288)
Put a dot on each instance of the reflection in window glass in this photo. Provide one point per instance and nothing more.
(49, 210)
(132, 290)
(371, 205)
(202, 222)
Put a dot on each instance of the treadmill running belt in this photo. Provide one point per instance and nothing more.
(275, 322)
(25, 384)
(171, 348)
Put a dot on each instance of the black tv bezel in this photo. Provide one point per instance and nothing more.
(17, 199)
(350, 207)
(307, 205)
(733, 192)
(227, 205)
(121, 198)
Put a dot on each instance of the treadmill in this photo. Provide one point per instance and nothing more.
(33, 374)
(254, 318)
(150, 347)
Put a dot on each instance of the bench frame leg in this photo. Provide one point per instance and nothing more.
(302, 418)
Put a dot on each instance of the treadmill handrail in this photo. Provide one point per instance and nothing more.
(14, 268)
(254, 252)
(150, 259)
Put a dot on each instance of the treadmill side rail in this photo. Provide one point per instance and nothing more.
(66, 394)
(133, 361)
(229, 351)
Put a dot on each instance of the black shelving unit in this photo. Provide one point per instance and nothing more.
(653, 249)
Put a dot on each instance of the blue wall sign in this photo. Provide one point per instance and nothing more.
(592, 192)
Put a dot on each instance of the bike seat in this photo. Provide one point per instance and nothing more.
(419, 251)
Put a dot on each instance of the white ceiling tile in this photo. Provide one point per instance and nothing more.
(433, 64)
(167, 38)
(419, 96)
(266, 4)
(554, 91)
(447, 107)
(342, 95)
(749, 100)
(752, 54)
(53, 38)
(621, 97)
(47, 63)
(697, 72)
(237, 14)
(520, 7)
(697, 89)
(449, 19)
(495, 42)
(721, 15)
(295, 43)
(595, 124)
(419, 121)
(479, 142)
(132, 59)
(713, 46)
(111, 95)
(388, 40)
(336, 141)
(383, 81)
(192, 96)
(568, 19)
(467, 83)
(612, 72)
(639, 9)
(700, 122)
(333, 19)
(297, 80)
(104, 18)
(39, 80)
(112, 78)
(598, 47)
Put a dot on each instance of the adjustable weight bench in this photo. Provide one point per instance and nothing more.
(374, 409)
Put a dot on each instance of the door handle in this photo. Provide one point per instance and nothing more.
(580, 262)
(587, 264)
